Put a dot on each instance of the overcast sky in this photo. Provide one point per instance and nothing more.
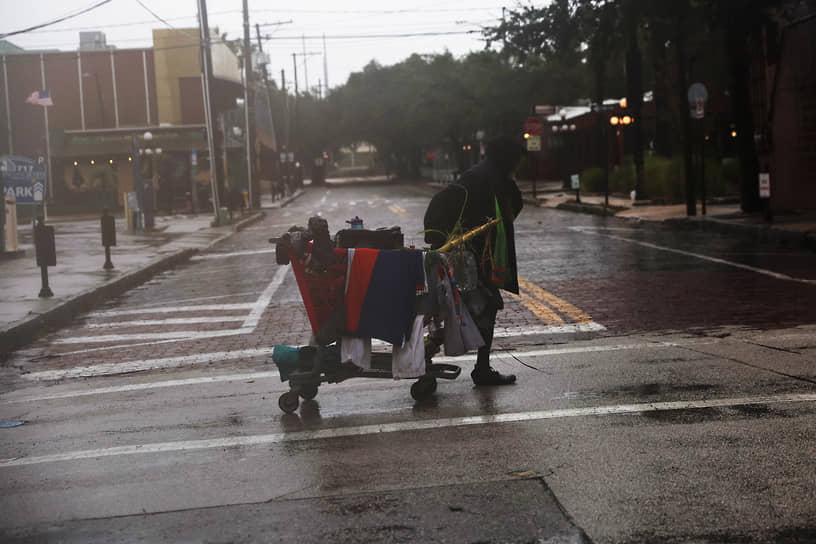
(127, 24)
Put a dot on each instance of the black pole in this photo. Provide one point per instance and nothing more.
(702, 165)
(535, 177)
(2, 218)
(108, 264)
(45, 252)
(605, 161)
(137, 179)
(253, 185)
(45, 290)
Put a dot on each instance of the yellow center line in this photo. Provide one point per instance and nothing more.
(540, 310)
(398, 210)
(560, 305)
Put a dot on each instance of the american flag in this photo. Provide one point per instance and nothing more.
(40, 98)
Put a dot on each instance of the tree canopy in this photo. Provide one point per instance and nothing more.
(565, 52)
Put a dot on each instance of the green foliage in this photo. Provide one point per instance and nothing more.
(731, 171)
(663, 179)
(592, 180)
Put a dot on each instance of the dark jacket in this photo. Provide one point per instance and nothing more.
(473, 195)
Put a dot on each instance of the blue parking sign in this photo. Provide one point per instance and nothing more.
(24, 178)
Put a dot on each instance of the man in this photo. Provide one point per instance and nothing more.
(484, 192)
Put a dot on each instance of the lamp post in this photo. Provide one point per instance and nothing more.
(143, 188)
(565, 128)
(620, 123)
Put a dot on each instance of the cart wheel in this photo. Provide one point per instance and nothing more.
(308, 392)
(289, 402)
(423, 388)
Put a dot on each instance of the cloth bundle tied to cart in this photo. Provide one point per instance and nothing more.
(375, 297)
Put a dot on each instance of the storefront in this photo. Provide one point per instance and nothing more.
(93, 169)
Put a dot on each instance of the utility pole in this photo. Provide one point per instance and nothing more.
(294, 67)
(263, 69)
(325, 67)
(294, 105)
(285, 109)
(206, 66)
(305, 65)
(249, 117)
(266, 81)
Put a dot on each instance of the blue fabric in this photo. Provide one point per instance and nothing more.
(388, 307)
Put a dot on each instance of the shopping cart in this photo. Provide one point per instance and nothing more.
(322, 293)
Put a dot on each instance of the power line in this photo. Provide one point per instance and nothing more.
(373, 11)
(55, 21)
(270, 37)
(154, 14)
(373, 36)
(234, 11)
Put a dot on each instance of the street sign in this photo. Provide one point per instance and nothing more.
(698, 98)
(23, 178)
(764, 185)
(576, 181)
(532, 126)
(534, 143)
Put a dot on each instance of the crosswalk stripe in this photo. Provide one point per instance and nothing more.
(403, 426)
(107, 369)
(175, 309)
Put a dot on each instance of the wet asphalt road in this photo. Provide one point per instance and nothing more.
(666, 394)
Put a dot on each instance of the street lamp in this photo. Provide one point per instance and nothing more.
(144, 190)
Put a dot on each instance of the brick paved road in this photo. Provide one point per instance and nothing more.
(582, 276)
(661, 419)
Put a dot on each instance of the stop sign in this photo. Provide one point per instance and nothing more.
(532, 126)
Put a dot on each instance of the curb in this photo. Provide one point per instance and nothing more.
(244, 223)
(760, 233)
(587, 208)
(17, 335)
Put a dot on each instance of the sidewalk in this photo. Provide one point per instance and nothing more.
(726, 218)
(79, 282)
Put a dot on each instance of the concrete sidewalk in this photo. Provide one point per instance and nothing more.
(79, 282)
(798, 229)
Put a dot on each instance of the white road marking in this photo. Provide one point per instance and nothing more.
(741, 266)
(176, 309)
(248, 326)
(144, 386)
(265, 298)
(559, 351)
(421, 425)
(209, 256)
(553, 329)
(106, 369)
(183, 335)
(172, 321)
(178, 301)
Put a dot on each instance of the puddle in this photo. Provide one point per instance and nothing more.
(684, 417)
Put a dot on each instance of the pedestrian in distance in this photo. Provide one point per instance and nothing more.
(484, 192)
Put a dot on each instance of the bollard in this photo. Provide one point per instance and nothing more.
(108, 236)
(46, 253)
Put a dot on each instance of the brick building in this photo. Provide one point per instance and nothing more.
(103, 97)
